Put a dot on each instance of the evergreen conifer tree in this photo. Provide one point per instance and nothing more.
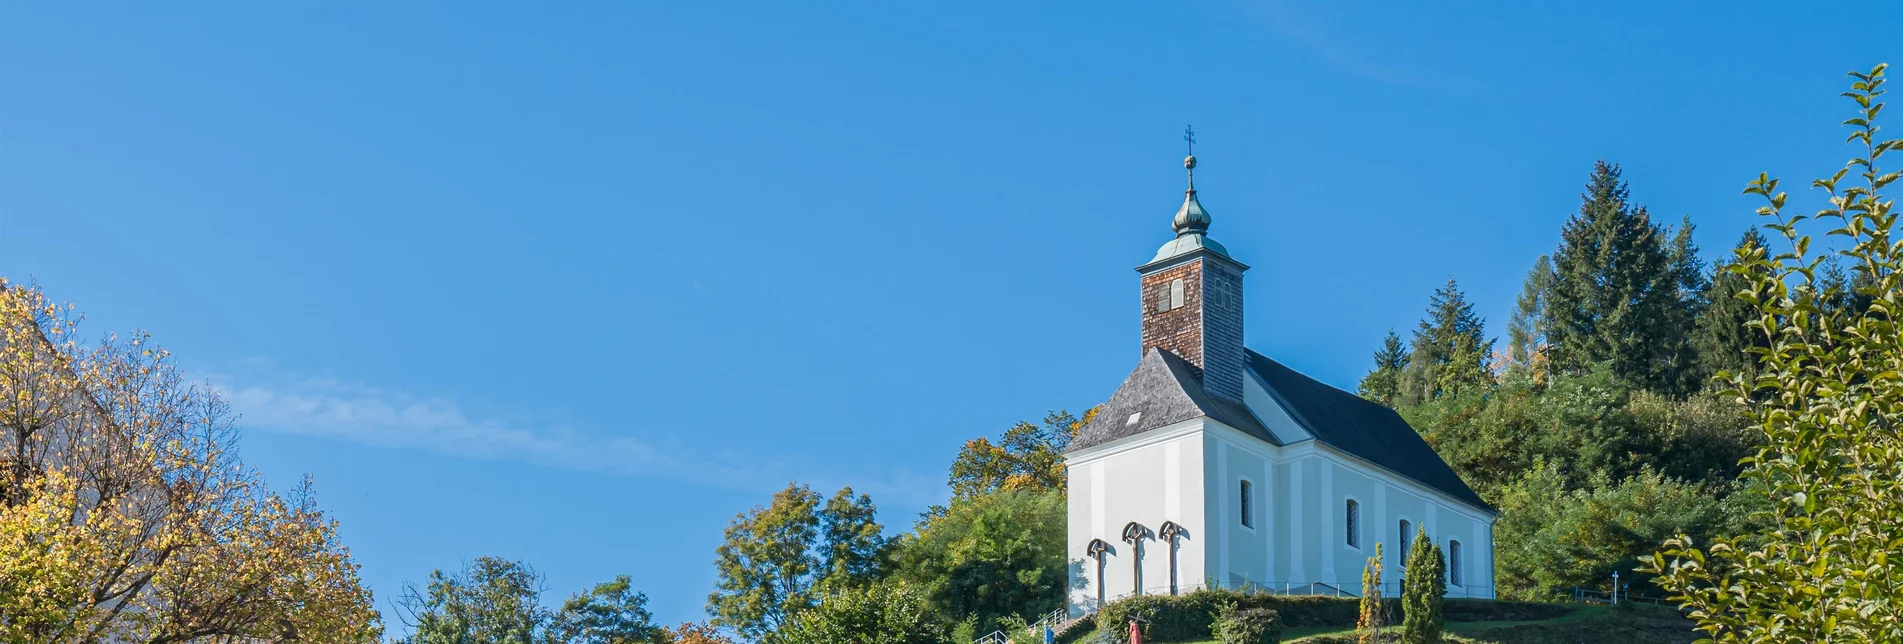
(1680, 373)
(1722, 337)
(1423, 587)
(1615, 296)
(1384, 383)
(1450, 350)
(1526, 330)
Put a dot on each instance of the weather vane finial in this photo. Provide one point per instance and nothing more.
(1189, 134)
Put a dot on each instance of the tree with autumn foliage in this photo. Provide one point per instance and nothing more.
(1028, 458)
(125, 514)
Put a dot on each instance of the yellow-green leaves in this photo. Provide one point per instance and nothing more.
(1828, 400)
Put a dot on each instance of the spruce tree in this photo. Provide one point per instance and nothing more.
(1526, 330)
(1384, 383)
(1680, 372)
(1615, 296)
(1450, 351)
(1722, 336)
(1423, 587)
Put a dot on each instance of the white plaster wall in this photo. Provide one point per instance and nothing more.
(1385, 501)
(1190, 473)
(1149, 479)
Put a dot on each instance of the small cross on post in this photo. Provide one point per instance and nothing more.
(1189, 134)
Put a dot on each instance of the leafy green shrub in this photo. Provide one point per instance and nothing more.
(1187, 616)
(1826, 398)
(1245, 625)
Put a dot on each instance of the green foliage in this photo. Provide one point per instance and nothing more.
(884, 613)
(1827, 398)
(1722, 336)
(1616, 289)
(1552, 537)
(775, 559)
(991, 556)
(610, 613)
(1374, 612)
(1187, 617)
(500, 601)
(1450, 352)
(1423, 588)
(852, 540)
(1028, 458)
(490, 600)
(1255, 625)
(1383, 385)
(1527, 346)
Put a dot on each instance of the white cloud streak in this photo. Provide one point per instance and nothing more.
(361, 414)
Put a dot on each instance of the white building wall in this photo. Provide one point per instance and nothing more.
(1149, 479)
(1191, 472)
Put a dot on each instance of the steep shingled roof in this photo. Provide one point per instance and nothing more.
(1165, 390)
(1359, 427)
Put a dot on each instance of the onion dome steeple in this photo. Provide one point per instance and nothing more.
(1192, 221)
(1191, 218)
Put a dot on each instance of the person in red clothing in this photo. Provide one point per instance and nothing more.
(1136, 633)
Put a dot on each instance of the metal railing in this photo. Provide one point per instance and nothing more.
(1054, 620)
(1389, 588)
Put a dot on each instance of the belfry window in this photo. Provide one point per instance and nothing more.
(1176, 293)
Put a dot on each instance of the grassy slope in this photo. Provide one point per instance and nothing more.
(1636, 624)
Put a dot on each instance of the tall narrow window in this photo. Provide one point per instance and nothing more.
(1354, 523)
(1176, 294)
(1248, 507)
(1162, 297)
(1407, 540)
(1453, 563)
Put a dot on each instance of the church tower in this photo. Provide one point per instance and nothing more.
(1192, 297)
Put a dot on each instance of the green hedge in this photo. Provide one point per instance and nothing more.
(1187, 617)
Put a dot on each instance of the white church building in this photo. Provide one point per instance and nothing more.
(1216, 466)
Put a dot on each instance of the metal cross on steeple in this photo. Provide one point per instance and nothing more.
(1189, 162)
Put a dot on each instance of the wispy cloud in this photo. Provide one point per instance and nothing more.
(1285, 21)
(363, 414)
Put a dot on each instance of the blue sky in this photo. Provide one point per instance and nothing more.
(576, 283)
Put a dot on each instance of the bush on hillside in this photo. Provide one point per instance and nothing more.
(1245, 625)
(1188, 616)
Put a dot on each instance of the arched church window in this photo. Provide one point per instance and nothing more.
(1176, 293)
(1248, 507)
(1453, 563)
(1354, 523)
(1407, 540)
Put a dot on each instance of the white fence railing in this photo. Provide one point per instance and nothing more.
(1050, 621)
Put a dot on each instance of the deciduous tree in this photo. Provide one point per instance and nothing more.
(777, 559)
(1029, 457)
(991, 556)
(125, 514)
(1827, 398)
